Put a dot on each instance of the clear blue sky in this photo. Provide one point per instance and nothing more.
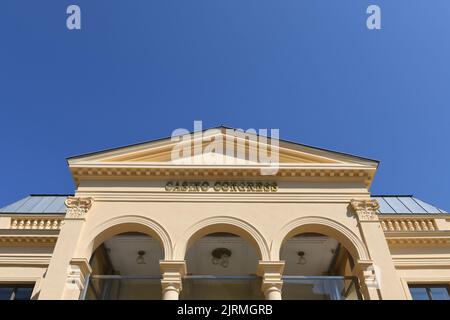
(139, 69)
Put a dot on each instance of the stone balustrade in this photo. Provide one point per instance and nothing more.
(37, 223)
(412, 224)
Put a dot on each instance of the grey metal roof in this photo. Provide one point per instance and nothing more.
(38, 204)
(54, 204)
(405, 205)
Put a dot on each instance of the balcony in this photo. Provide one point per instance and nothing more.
(213, 287)
(320, 288)
(210, 287)
(116, 287)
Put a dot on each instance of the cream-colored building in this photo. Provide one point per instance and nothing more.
(142, 226)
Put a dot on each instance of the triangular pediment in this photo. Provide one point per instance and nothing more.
(218, 147)
(221, 147)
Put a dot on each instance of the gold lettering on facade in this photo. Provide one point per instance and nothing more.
(220, 186)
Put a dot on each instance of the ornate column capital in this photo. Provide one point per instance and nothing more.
(172, 277)
(77, 207)
(366, 210)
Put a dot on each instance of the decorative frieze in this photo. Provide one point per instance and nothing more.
(366, 210)
(28, 240)
(422, 241)
(295, 172)
(77, 207)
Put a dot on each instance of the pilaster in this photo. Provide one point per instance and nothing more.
(381, 268)
(64, 273)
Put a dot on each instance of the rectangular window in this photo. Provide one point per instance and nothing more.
(16, 291)
(429, 292)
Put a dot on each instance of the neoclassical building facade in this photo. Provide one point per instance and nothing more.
(143, 226)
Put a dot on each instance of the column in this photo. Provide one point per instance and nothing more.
(61, 279)
(272, 282)
(172, 278)
(381, 269)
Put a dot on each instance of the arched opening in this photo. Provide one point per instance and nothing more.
(317, 267)
(221, 265)
(125, 265)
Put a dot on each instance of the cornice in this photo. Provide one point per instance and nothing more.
(278, 197)
(412, 239)
(139, 171)
(421, 262)
(27, 241)
(415, 216)
(27, 260)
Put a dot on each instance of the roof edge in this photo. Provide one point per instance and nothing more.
(392, 195)
(50, 195)
(217, 127)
